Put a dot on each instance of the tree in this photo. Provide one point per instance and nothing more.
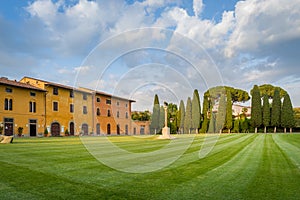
(212, 123)
(228, 120)
(266, 112)
(221, 114)
(172, 117)
(141, 116)
(205, 113)
(237, 95)
(276, 110)
(180, 116)
(196, 111)
(236, 127)
(256, 113)
(269, 90)
(161, 117)
(154, 126)
(287, 115)
(188, 116)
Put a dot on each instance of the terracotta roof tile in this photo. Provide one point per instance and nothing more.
(6, 81)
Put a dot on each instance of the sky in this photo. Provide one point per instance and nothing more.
(136, 49)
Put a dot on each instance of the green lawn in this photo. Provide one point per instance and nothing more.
(240, 166)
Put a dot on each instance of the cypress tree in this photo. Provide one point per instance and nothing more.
(188, 116)
(220, 119)
(161, 117)
(266, 112)
(287, 115)
(196, 111)
(212, 123)
(256, 113)
(244, 124)
(236, 127)
(228, 122)
(154, 126)
(276, 110)
(205, 112)
(180, 116)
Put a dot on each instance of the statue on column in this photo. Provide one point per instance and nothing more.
(166, 129)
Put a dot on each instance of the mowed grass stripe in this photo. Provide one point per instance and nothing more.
(61, 168)
(292, 151)
(191, 156)
(167, 180)
(30, 184)
(226, 181)
(277, 177)
(119, 159)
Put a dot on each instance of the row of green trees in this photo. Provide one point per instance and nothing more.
(277, 114)
(216, 115)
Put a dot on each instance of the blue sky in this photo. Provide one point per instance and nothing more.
(139, 48)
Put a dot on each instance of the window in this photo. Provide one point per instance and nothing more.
(118, 114)
(8, 104)
(84, 96)
(98, 99)
(118, 103)
(84, 110)
(55, 106)
(71, 94)
(108, 113)
(32, 121)
(126, 115)
(55, 90)
(126, 105)
(32, 107)
(126, 129)
(108, 101)
(32, 94)
(98, 111)
(71, 108)
(8, 90)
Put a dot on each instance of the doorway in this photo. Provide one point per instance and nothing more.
(8, 126)
(108, 129)
(72, 128)
(98, 129)
(32, 127)
(85, 129)
(118, 129)
(55, 129)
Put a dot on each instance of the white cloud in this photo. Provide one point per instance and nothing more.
(262, 23)
(83, 69)
(198, 7)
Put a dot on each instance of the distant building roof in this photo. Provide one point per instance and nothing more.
(6, 81)
(79, 89)
(106, 94)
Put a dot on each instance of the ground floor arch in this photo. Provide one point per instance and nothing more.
(72, 128)
(98, 131)
(55, 129)
(108, 129)
(118, 129)
(85, 129)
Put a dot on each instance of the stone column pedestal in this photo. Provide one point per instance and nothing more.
(166, 134)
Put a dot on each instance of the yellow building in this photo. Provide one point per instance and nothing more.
(22, 106)
(36, 105)
(68, 110)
